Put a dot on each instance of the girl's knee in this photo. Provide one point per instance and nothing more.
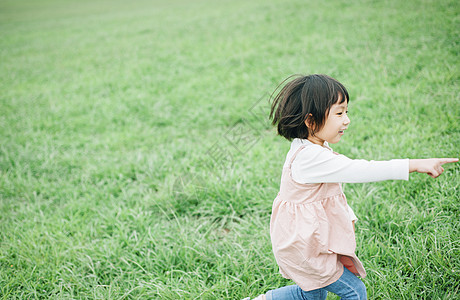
(349, 287)
(361, 291)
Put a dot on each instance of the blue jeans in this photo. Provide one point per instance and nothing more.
(348, 286)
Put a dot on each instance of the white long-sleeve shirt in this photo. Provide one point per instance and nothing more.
(317, 164)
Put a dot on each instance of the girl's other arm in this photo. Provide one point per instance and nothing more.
(430, 166)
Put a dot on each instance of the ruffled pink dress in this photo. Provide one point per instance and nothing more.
(311, 232)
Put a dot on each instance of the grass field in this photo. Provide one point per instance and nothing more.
(137, 161)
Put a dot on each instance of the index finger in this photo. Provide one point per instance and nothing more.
(447, 160)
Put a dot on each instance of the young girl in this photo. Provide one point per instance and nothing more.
(312, 226)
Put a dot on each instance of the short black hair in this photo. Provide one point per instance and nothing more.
(303, 96)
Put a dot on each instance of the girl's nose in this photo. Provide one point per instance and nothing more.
(346, 121)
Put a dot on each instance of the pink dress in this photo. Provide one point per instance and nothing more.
(311, 232)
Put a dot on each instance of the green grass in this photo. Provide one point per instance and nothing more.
(133, 164)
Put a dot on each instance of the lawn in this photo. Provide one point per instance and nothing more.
(137, 160)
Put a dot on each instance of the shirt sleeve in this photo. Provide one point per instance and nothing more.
(316, 164)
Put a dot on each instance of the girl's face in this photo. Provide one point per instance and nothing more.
(336, 123)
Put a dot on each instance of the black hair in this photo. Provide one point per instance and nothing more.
(309, 96)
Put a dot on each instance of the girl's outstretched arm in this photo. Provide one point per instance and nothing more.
(430, 166)
(316, 164)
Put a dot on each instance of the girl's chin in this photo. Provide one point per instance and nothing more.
(334, 141)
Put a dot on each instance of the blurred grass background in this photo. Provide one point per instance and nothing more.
(137, 161)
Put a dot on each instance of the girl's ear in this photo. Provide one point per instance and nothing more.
(309, 122)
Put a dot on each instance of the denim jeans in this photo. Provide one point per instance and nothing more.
(348, 286)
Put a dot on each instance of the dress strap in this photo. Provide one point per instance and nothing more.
(295, 155)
